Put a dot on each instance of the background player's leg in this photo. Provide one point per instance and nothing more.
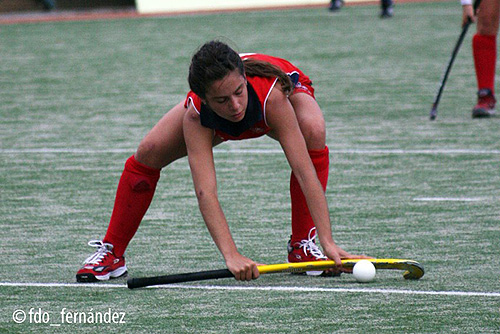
(484, 51)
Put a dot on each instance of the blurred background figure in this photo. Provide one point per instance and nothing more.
(48, 4)
(386, 5)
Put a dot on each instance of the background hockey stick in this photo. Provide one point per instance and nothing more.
(433, 113)
(412, 270)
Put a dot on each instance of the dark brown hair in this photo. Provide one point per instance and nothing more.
(215, 59)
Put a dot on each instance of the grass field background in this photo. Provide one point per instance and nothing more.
(77, 97)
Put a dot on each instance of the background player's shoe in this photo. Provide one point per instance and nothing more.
(387, 9)
(335, 5)
(102, 265)
(306, 250)
(485, 106)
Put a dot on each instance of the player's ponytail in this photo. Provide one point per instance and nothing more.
(259, 68)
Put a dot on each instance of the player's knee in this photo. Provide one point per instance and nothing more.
(487, 25)
(148, 154)
(315, 134)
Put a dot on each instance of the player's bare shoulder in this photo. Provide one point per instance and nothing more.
(192, 116)
(280, 115)
(277, 98)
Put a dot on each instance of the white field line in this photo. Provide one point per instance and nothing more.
(262, 288)
(448, 199)
(254, 151)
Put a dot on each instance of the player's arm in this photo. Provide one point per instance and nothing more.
(199, 147)
(467, 12)
(285, 128)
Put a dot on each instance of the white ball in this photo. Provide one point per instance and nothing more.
(364, 271)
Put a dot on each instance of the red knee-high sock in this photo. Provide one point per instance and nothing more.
(484, 50)
(302, 221)
(133, 197)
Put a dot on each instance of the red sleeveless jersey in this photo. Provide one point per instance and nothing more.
(254, 123)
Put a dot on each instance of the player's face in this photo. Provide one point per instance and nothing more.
(228, 97)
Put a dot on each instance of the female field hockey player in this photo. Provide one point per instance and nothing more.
(232, 97)
(484, 51)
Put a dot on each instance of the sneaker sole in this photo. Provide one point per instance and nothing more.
(89, 278)
(483, 113)
(317, 273)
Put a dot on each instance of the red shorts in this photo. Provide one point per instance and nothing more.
(304, 88)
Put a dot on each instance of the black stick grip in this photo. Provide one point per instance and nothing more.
(133, 283)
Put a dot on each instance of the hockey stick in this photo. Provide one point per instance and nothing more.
(433, 113)
(412, 270)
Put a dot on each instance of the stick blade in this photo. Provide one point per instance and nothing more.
(412, 269)
(433, 113)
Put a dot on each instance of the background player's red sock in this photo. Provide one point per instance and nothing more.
(484, 50)
(133, 197)
(302, 221)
